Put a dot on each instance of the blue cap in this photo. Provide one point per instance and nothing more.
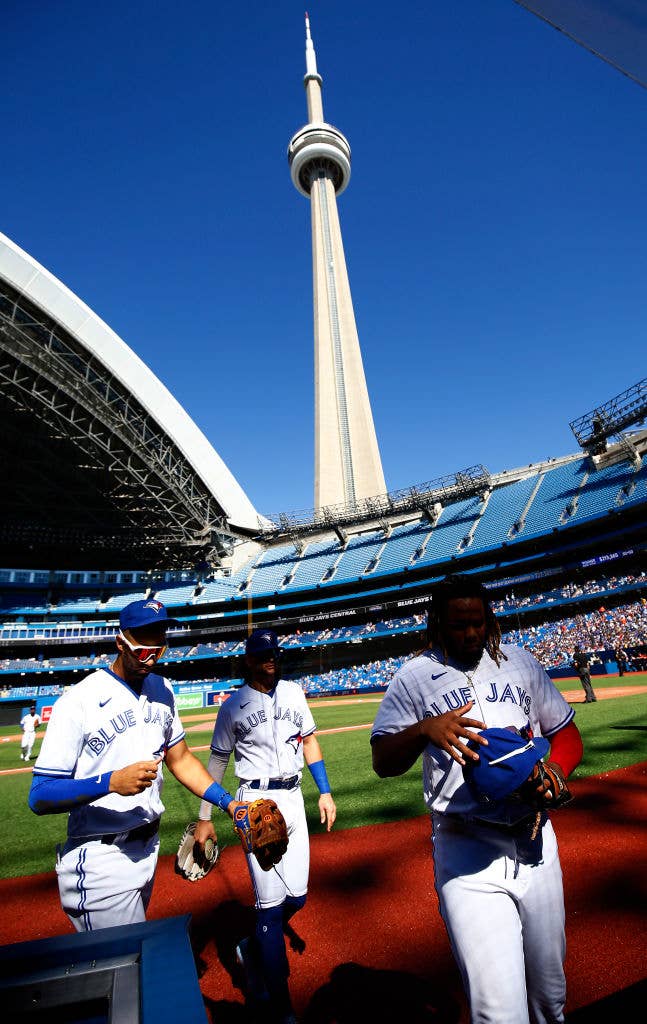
(144, 613)
(504, 764)
(261, 640)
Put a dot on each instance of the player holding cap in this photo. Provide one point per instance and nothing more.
(270, 729)
(101, 760)
(496, 865)
(28, 723)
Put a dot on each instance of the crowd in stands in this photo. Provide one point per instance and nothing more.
(375, 675)
(596, 632)
(599, 632)
(569, 592)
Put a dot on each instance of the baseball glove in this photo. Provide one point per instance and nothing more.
(191, 861)
(545, 789)
(261, 828)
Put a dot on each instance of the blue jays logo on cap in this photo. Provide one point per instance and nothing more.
(504, 764)
(261, 640)
(144, 613)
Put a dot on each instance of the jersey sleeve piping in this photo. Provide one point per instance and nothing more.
(176, 740)
(569, 718)
(54, 773)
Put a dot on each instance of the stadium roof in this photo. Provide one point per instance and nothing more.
(101, 465)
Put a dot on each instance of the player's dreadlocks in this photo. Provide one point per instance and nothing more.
(456, 586)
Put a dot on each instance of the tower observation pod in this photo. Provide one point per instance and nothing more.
(348, 467)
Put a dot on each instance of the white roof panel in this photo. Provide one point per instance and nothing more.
(46, 291)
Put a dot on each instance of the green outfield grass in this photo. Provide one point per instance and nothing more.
(614, 735)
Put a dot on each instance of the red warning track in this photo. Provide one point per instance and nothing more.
(375, 947)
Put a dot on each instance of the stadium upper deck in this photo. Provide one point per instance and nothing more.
(565, 505)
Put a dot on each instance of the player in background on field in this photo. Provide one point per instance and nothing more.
(497, 873)
(269, 727)
(28, 723)
(101, 760)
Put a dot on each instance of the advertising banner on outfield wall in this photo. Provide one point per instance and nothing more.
(217, 697)
(184, 701)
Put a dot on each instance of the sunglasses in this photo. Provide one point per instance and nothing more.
(143, 653)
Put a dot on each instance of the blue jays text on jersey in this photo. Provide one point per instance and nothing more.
(244, 727)
(517, 693)
(265, 730)
(498, 693)
(101, 725)
(126, 720)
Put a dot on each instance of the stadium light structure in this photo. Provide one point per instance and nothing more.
(419, 498)
(626, 410)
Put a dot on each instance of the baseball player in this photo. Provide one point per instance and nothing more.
(28, 723)
(270, 729)
(101, 760)
(497, 874)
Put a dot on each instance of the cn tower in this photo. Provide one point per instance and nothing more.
(348, 466)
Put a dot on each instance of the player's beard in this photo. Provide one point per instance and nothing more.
(267, 677)
(468, 658)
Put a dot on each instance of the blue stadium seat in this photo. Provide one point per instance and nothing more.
(402, 545)
(504, 507)
(558, 487)
(358, 553)
(315, 560)
(454, 524)
(272, 568)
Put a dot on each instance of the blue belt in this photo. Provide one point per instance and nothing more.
(274, 783)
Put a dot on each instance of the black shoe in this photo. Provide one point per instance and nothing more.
(255, 988)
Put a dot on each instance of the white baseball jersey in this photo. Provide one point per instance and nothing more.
(28, 723)
(518, 693)
(101, 725)
(265, 731)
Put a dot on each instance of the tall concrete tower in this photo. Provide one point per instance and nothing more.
(348, 466)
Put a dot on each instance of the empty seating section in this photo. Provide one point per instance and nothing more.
(455, 522)
(316, 558)
(599, 494)
(402, 545)
(505, 505)
(557, 489)
(80, 606)
(223, 588)
(272, 568)
(119, 601)
(639, 492)
(357, 555)
(560, 495)
(174, 597)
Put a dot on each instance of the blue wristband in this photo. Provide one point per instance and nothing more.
(215, 794)
(318, 770)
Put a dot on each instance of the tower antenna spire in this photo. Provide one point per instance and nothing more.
(311, 57)
(348, 467)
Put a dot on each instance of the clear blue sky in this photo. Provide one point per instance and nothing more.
(494, 225)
